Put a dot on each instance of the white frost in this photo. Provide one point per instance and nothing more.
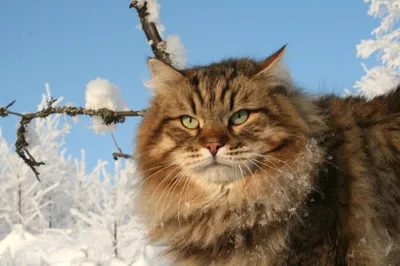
(174, 46)
(176, 50)
(37, 224)
(31, 135)
(386, 45)
(16, 240)
(101, 93)
(153, 10)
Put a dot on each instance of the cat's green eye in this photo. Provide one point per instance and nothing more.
(189, 122)
(239, 117)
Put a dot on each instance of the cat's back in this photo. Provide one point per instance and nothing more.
(363, 141)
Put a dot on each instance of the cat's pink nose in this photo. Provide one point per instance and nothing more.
(214, 147)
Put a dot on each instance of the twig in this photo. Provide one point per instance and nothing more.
(151, 32)
(10, 104)
(119, 154)
(109, 117)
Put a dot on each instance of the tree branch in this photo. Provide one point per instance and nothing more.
(109, 117)
(119, 154)
(150, 30)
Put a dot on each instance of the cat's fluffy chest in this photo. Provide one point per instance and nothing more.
(238, 218)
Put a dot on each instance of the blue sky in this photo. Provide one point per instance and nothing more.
(69, 43)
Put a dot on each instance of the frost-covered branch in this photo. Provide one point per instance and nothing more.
(385, 44)
(148, 25)
(103, 99)
(108, 116)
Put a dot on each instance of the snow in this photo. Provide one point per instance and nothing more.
(31, 136)
(16, 240)
(80, 216)
(174, 46)
(386, 45)
(71, 217)
(101, 93)
(176, 50)
(153, 10)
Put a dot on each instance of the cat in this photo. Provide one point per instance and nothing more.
(240, 167)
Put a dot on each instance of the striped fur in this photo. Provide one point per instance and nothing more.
(305, 181)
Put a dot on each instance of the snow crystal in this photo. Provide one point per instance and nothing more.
(176, 50)
(101, 93)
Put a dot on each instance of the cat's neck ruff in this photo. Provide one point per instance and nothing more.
(261, 198)
(279, 192)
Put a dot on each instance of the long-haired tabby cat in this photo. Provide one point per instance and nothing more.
(241, 168)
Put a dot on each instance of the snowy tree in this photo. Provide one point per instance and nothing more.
(37, 205)
(73, 217)
(103, 100)
(386, 45)
(111, 220)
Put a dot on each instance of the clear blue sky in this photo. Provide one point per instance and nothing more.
(69, 43)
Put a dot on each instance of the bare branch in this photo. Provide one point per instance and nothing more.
(10, 104)
(150, 30)
(119, 154)
(109, 117)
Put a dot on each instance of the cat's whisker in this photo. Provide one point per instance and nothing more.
(190, 181)
(264, 163)
(142, 182)
(180, 196)
(171, 191)
(271, 176)
(269, 157)
(244, 187)
(164, 179)
(168, 190)
(137, 157)
(249, 169)
(144, 153)
(153, 168)
(255, 180)
(241, 172)
(297, 136)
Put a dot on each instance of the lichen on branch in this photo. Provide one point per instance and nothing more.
(21, 145)
(108, 116)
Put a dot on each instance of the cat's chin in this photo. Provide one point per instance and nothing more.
(221, 173)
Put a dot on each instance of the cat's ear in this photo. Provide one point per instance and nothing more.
(271, 61)
(162, 74)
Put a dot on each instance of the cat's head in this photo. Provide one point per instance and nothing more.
(222, 122)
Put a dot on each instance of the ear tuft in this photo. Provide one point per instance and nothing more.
(272, 60)
(162, 74)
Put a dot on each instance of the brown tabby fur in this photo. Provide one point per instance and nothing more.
(323, 189)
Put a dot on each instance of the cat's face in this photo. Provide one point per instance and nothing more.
(219, 123)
